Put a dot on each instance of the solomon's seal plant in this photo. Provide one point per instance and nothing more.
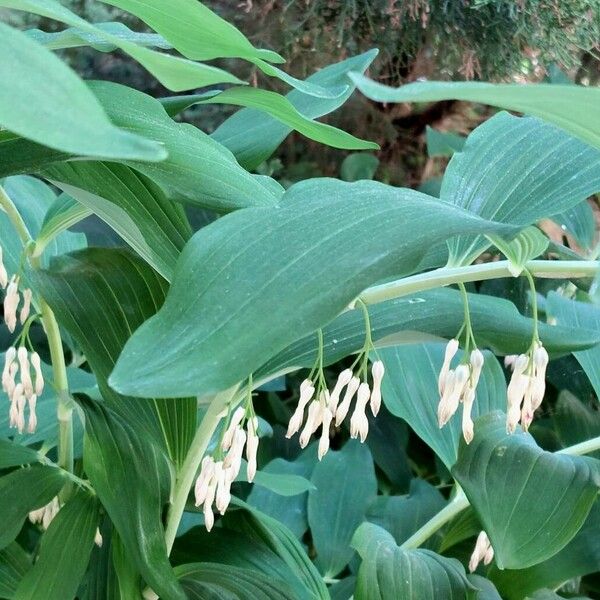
(216, 385)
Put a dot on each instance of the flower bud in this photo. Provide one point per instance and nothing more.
(324, 440)
(476, 366)
(11, 303)
(39, 376)
(25, 372)
(202, 482)
(344, 406)
(359, 425)
(343, 380)
(9, 358)
(313, 410)
(450, 352)
(27, 294)
(377, 371)
(482, 547)
(236, 419)
(32, 422)
(467, 421)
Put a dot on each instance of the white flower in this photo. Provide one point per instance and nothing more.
(98, 538)
(312, 423)
(27, 294)
(23, 358)
(467, 421)
(324, 440)
(307, 390)
(377, 371)
(39, 376)
(233, 459)
(344, 406)
(483, 552)
(359, 425)
(32, 422)
(9, 358)
(343, 380)
(236, 419)
(454, 387)
(252, 448)
(207, 468)
(11, 303)
(451, 350)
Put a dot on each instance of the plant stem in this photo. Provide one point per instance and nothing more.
(460, 501)
(553, 269)
(453, 508)
(190, 466)
(64, 406)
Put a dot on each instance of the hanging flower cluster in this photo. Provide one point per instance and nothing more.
(458, 386)
(12, 298)
(217, 473)
(44, 515)
(24, 392)
(483, 552)
(527, 385)
(322, 407)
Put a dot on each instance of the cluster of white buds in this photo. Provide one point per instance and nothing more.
(483, 552)
(45, 514)
(12, 299)
(326, 407)
(213, 484)
(25, 392)
(526, 387)
(459, 385)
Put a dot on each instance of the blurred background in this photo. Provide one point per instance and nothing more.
(490, 40)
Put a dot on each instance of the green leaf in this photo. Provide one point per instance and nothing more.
(517, 170)
(155, 227)
(410, 391)
(579, 557)
(389, 573)
(281, 541)
(404, 515)
(253, 136)
(579, 222)
(64, 552)
(174, 72)
(575, 421)
(529, 244)
(536, 511)
(242, 305)
(334, 517)
(443, 143)
(49, 104)
(212, 580)
(359, 166)
(575, 108)
(74, 38)
(22, 491)
(427, 316)
(283, 484)
(14, 455)
(283, 110)
(100, 296)
(571, 313)
(14, 563)
(117, 458)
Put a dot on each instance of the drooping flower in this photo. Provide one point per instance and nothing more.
(11, 303)
(359, 425)
(377, 371)
(25, 310)
(483, 552)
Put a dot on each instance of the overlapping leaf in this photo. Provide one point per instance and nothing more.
(49, 104)
(574, 108)
(14, 563)
(327, 248)
(531, 503)
(100, 296)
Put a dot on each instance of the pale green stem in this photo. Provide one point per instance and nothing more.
(554, 269)
(460, 502)
(59, 370)
(190, 467)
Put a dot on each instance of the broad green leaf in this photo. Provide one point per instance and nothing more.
(282, 483)
(74, 38)
(345, 485)
(329, 242)
(22, 491)
(119, 458)
(357, 166)
(64, 552)
(14, 563)
(575, 421)
(283, 110)
(517, 170)
(403, 515)
(101, 582)
(100, 296)
(132, 205)
(195, 30)
(212, 580)
(579, 557)
(49, 104)
(389, 573)
(14, 455)
(443, 143)
(292, 510)
(579, 221)
(253, 136)
(571, 313)
(485, 589)
(464, 526)
(281, 541)
(233, 548)
(531, 503)
(174, 72)
(33, 199)
(428, 316)
(575, 108)
(529, 244)
(410, 391)
(198, 170)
